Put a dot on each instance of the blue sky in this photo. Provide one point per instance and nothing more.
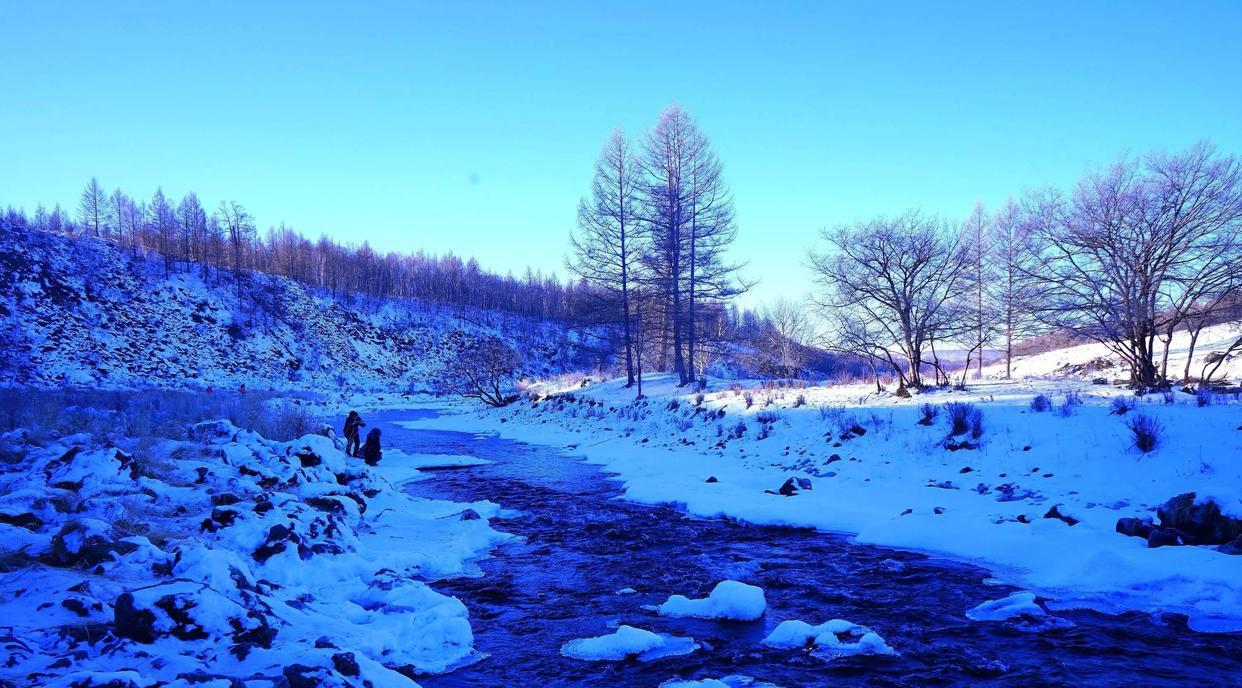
(472, 127)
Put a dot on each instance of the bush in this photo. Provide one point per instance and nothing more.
(1204, 397)
(749, 399)
(1147, 430)
(962, 417)
(476, 366)
(767, 416)
(1041, 403)
(800, 401)
(1120, 406)
(928, 413)
(976, 423)
(1169, 397)
(698, 399)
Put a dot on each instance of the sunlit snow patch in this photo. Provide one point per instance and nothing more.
(627, 642)
(833, 638)
(728, 600)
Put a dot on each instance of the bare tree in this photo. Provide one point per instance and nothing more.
(1140, 246)
(786, 333)
(608, 245)
(1015, 291)
(896, 277)
(477, 366)
(92, 209)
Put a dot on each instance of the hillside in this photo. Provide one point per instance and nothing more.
(79, 312)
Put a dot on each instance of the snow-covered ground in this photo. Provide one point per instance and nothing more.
(227, 556)
(1036, 497)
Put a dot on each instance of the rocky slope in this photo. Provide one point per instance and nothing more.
(84, 313)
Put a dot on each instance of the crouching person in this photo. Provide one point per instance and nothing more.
(371, 449)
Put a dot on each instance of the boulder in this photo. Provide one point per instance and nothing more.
(1055, 512)
(1201, 519)
(1166, 537)
(1135, 527)
(189, 611)
(85, 543)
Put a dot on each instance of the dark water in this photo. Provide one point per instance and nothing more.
(582, 545)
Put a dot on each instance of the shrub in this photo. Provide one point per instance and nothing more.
(976, 423)
(1147, 430)
(739, 430)
(1169, 397)
(1120, 406)
(749, 399)
(1073, 398)
(928, 413)
(1041, 403)
(961, 417)
(767, 416)
(698, 399)
(1204, 397)
(800, 401)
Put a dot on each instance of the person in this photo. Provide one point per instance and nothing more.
(371, 450)
(353, 429)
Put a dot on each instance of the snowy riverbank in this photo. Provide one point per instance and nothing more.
(226, 557)
(896, 484)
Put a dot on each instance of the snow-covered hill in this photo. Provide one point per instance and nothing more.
(85, 313)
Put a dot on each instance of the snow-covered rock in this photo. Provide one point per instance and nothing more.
(1017, 604)
(625, 643)
(832, 638)
(729, 600)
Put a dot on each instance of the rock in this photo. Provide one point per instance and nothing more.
(279, 537)
(1165, 537)
(213, 430)
(345, 664)
(308, 458)
(189, 611)
(85, 543)
(25, 520)
(712, 479)
(470, 515)
(1135, 527)
(1202, 521)
(1055, 512)
(1234, 548)
(966, 469)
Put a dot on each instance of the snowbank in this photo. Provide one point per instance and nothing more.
(729, 600)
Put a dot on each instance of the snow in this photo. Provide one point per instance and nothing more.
(729, 600)
(1015, 605)
(255, 557)
(834, 638)
(899, 486)
(627, 642)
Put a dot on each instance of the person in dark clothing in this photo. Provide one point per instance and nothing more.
(371, 450)
(353, 432)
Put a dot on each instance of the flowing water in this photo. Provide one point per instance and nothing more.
(582, 545)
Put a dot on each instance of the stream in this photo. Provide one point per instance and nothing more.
(581, 545)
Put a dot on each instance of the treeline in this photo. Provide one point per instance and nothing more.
(1133, 254)
(651, 240)
(187, 236)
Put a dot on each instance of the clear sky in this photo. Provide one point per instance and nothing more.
(472, 127)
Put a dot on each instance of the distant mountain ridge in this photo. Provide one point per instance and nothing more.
(80, 312)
